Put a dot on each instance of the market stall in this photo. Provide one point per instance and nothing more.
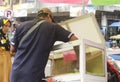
(88, 32)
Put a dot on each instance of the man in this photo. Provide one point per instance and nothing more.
(32, 55)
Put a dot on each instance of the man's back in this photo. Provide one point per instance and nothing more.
(31, 57)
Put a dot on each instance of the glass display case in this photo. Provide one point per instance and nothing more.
(91, 63)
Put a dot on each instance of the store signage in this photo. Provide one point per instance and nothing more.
(9, 13)
(65, 1)
(76, 11)
(1, 2)
(20, 13)
(105, 2)
(1, 12)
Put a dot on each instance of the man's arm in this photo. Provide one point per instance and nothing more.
(76, 48)
(12, 50)
(73, 37)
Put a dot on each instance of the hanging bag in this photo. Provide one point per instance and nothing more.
(29, 31)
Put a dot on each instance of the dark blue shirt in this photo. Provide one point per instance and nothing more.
(32, 56)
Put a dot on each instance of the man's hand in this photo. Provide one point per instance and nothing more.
(12, 50)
